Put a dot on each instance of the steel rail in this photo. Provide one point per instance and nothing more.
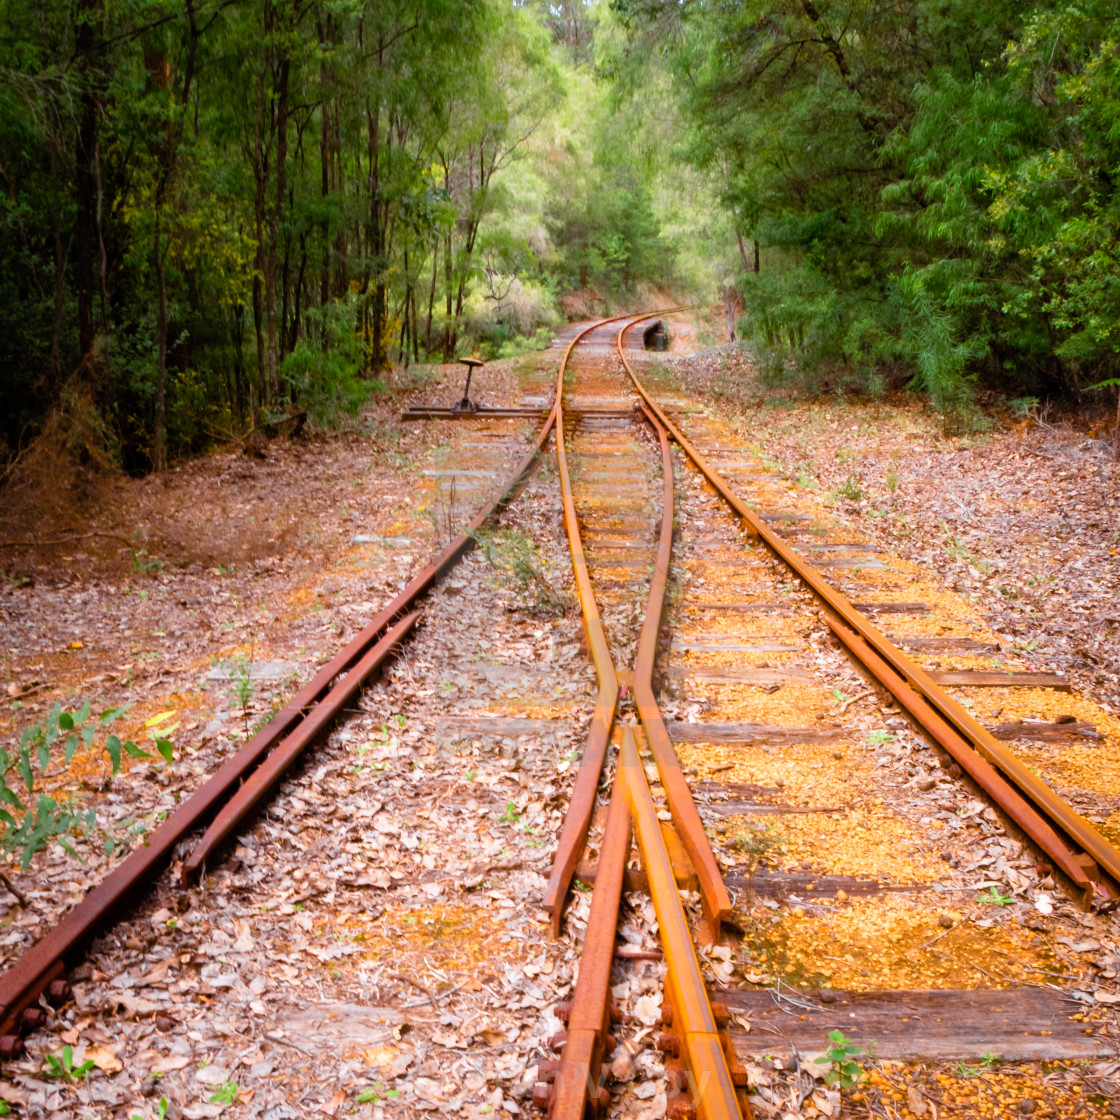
(571, 1087)
(715, 901)
(42, 966)
(259, 784)
(575, 1078)
(692, 1019)
(1104, 878)
(581, 804)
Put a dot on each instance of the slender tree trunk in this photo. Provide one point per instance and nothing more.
(55, 366)
(1116, 434)
(283, 71)
(160, 441)
(415, 320)
(260, 170)
(431, 296)
(376, 240)
(85, 190)
(324, 191)
(293, 336)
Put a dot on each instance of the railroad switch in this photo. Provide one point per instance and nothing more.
(466, 404)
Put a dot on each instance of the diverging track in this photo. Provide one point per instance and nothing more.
(746, 624)
(620, 526)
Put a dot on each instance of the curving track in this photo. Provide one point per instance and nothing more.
(621, 506)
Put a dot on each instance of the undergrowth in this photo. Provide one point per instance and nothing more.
(521, 570)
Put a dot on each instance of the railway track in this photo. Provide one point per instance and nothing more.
(671, 562)
(618, 528)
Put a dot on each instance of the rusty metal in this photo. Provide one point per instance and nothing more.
(259, 784)
(466, 404)
(479, 412)
(1103, 856)
(702, 1050)
(581, 804)
(713, 893)
(715, 899)
(482, 412)
(1007, 796)
(48, 959)
(575, 1078)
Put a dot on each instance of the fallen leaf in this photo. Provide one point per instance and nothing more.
(104, 1059)
(334, 1104)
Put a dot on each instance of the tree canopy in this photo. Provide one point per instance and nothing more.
(213, 212)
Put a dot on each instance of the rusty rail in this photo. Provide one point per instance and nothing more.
(259, 784)
(41, 969)
(570, 1086)
(714, 898)
(1090, 860)
(694, 1032)
(581, 804)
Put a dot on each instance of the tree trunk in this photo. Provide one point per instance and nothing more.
(84, 184)
(282, 73)
(54, 371)
(432, 296)
(376, 240)
(160, 441)
(1116, 434)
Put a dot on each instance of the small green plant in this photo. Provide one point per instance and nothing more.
(141, 563)
(968, 1071)
(844, 1071)
(226, 1094)
(30, 828)
(1023, 407)
(990, 1060)
(511, 815)
(892, 480)
(520, 569)
(878, 738)
(371, 1094)
(993, 896)
(62, 1068)
(161, 1111)
(241, 686)
(849, 489)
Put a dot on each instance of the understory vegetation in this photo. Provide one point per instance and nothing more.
(218, 217)
(924, 191)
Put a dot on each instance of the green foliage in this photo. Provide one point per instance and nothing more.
(845, 1072)
(324, 372)
(933, 186)
(212, 218)
(30, 828)
(62, 1068)
(226, 1093)
(994, 897)
(520, 569)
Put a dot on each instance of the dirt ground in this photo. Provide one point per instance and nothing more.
(1022, 519)
(373, 945)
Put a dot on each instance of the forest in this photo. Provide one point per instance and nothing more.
(216, 213)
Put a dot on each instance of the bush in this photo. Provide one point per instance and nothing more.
(327, 381)
(522, 319)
